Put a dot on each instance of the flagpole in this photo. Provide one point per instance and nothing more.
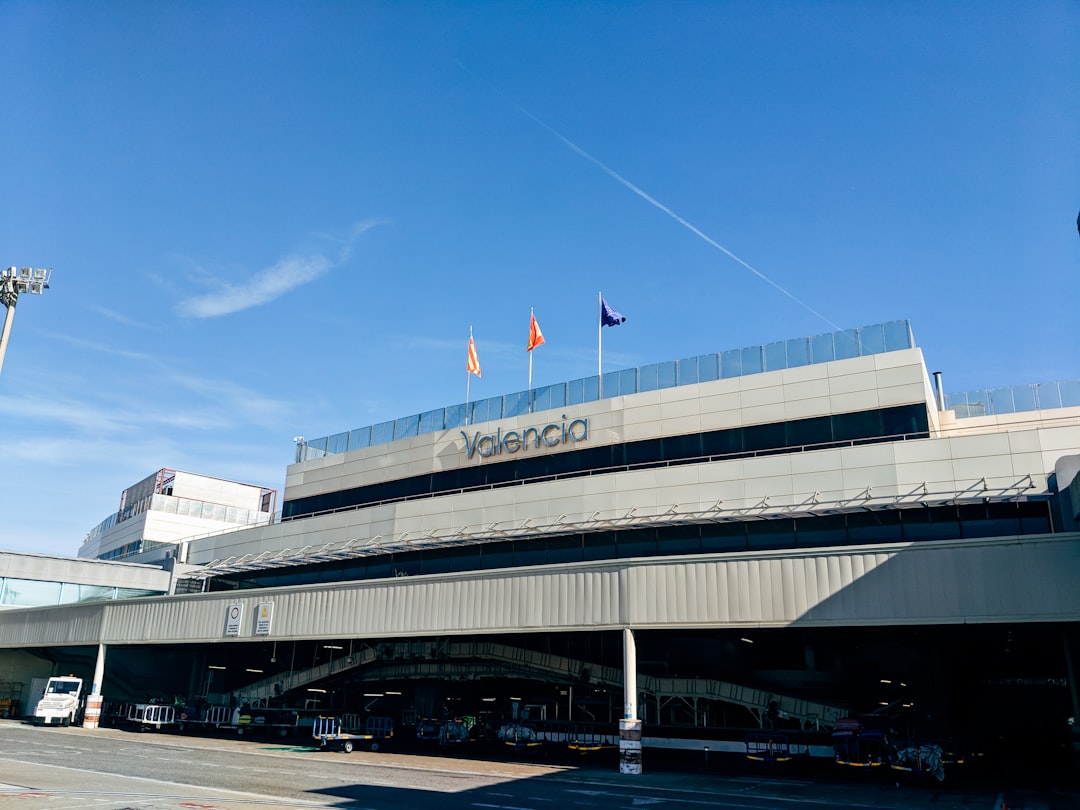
(531, 316)
(600, 343)
(468, 379)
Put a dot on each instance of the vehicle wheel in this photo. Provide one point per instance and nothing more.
(284, 732)
(347, 746)
(239, 732)
(375, 745)
(66, 721)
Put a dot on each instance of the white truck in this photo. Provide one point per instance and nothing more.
(63, 702)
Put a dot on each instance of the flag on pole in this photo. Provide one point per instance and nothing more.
(474, 361)
(536, 337)
(608, 316)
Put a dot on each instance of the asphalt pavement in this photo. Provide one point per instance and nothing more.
(111, 769)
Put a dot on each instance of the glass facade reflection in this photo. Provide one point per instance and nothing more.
(41, 593)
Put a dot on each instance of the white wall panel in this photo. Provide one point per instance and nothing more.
(853, 401)
(805, 408)
(844, 384)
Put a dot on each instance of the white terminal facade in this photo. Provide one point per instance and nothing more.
(172, 506)
(778, 535)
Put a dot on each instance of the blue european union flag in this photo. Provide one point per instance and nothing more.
(608, 316)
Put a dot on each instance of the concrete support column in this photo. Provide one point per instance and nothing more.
(629, 726)
(92, 715)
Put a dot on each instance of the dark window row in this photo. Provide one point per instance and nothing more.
(856, 528)
(796, 435)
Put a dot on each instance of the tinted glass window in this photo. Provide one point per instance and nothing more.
(1034, 517)
(600, 546)
(809, 431)
(939, 523)
(642, 452)
(762, 437)
(859, 425)
(433, 562)
(874, 527)
(989, 520)
(406, 565)
(377, 568)
(496, 555)
(679, 540)
(723, 537)
(530, 552)
(637, 544)
(564, 549)
(676, 447)
(904, 420)
(722, 442)
(462, 559)
(771, 533)
(826, 530)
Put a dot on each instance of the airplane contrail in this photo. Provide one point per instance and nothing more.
(610, 172)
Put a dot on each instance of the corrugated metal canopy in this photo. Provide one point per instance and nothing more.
(1014, 579)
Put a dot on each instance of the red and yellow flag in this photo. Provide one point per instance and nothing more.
(474, 361)
(536, 337)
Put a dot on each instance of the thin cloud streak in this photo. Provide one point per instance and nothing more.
(659, 205)
(119, 317)
(81, 343)
(614, 175)
(272, 283)
(269, 284)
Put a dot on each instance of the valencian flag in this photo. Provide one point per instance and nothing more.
(472, 366)
(536, 337)
(474, 361)
(608, 316)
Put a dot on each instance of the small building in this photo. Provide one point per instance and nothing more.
(172, 506)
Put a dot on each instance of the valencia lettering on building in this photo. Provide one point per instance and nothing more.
(513, 441)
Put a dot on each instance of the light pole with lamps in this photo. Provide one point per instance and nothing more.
(15, 280)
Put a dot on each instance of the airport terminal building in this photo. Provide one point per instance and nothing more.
(777, 536)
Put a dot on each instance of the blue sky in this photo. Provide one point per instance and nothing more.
(277, 219)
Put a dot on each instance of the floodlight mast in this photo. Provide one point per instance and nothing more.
(15, 280)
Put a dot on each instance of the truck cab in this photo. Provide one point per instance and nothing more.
(62, 703)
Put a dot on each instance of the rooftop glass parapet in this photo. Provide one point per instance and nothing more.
(1014, 399)
(848, 343)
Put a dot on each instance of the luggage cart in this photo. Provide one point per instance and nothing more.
(329, 733)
